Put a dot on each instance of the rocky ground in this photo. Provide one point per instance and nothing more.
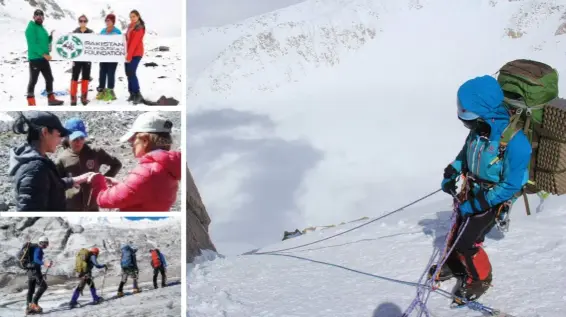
(66, 239)
(104, 128)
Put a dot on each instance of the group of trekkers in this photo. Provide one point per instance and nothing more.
(506, 155)
(39, 43)
(30, 258)
(73, 181)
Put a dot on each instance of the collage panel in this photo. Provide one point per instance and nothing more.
(95, 53)
(90, 161)
(90, 266)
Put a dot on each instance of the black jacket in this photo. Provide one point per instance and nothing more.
(37, 183)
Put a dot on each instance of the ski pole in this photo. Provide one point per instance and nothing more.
(103, 280)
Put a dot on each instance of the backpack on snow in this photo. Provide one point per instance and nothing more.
(155, 258)
(81, 260)
(530, 91)
(128, 260)
(25, 255)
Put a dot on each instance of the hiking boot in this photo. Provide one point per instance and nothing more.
(120, 294)
(471, 290)
(31, 101)
(109, 95)
(84, 92)
(136, 290)
(444, 275)
(52, 101)
(138, 98)
(97, 300)
(73, 305)
(131, 97)
(34, 308)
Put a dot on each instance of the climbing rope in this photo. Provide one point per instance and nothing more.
(471, 304)
(355, 228)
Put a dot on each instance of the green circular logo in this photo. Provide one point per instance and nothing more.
(69, 46)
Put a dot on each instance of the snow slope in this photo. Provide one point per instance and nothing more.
(66, 238)
(286, 134)
(527, 268)
(163, 29)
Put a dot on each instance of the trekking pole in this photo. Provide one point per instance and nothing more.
(103, 280)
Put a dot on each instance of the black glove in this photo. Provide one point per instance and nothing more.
(448, 184)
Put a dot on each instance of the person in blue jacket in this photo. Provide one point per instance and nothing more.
(108, 70)
(159, 266)
(86, 278)
(494, 176)
(35, 276)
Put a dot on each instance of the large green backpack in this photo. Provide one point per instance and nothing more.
(81, 260)
(530, 91)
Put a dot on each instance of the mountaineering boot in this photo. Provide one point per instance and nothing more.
(52, 101)
(471, 290)
(34, 308)
(136, 290)
(84, 92)
(31, 100)
(120, 294)
(101, 93)
(74, 89)
(138, 98)
(95, 298)
(109, 95)
(120, 289)
(131, 97)
(444, 275)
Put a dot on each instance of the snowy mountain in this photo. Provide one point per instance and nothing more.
(339, 142)
(527, 269)
(163, 24)
(66, 238)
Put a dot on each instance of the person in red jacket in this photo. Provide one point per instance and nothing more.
(153, 184)
(135, 50)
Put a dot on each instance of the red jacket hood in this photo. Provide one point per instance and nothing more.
(170, 160)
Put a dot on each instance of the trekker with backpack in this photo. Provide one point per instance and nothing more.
(81, 67)
(492, 181)
(36, 180)
(78, 158)
(31, 259)
(135, 51)
(159, 266)
(129, 268)
(153, 184)
(108, 70)
(85, 261)
(39, 47)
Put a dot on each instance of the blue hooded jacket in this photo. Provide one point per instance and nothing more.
(38, 256)
(483, 97)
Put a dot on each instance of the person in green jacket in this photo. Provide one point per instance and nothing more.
(39, 46)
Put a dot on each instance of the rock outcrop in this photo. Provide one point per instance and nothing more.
(198, 221)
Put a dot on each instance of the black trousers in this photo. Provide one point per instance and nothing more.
(35, 278)
(156, 272)
(468, 256)
(37, 66)
(81, 67)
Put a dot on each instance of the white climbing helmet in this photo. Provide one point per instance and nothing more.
(43, 240)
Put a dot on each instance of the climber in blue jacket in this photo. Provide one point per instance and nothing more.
(494, 176)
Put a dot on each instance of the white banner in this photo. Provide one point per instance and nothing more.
(81, 47)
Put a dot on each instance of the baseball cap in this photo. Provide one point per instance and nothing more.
(45, 119)
(148, 122)
(76, 127)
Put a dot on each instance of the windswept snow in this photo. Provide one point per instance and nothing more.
(163, 22)
(527, 268)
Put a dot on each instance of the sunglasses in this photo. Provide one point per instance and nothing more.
(38, 15)
(83, 21)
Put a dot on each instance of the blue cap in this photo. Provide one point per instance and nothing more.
(76, 127)
(465, 114)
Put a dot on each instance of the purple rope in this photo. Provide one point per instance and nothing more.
(424, 290)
